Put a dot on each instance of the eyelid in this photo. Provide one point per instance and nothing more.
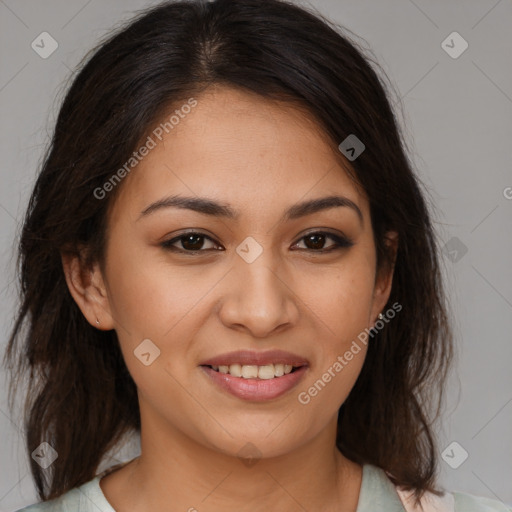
(325, 231)
(167, 244)
(340, 239)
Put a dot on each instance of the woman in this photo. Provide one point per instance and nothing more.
(227, 251)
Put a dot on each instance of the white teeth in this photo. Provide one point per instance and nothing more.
(249, 371)
(266, 372)
(235, 370)
(279, 370)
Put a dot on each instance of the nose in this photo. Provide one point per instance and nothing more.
(258, 298)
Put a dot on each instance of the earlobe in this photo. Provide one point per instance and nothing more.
(87, 288)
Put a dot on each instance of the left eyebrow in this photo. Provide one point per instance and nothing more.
(210, 207)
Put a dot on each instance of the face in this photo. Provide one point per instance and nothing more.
(203, 284)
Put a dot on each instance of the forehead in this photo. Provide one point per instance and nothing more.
(242, 148)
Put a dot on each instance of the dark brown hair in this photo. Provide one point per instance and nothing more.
(81, 398)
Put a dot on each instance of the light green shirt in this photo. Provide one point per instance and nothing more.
(377, 494)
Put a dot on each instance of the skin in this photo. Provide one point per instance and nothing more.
(261, 157)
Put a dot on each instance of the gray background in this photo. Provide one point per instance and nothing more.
(458, 116)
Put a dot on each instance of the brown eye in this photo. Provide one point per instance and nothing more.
(190, 242)
(195, 242)
(316, 241)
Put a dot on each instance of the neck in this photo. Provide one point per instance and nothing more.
(175, 472)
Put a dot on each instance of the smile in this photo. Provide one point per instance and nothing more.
(265, 372)
(255, 389)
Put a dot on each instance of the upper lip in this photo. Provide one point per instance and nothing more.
(251, 357)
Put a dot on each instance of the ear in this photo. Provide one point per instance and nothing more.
(384, 277)
(87, 286)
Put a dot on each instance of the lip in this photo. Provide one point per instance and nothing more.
(255, 390)
(251, 357)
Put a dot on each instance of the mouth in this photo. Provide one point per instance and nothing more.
(261, 372)
(255, 376)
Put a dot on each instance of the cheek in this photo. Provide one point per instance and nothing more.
(340, 296)
(341, 300)
(149, 296)
(338, 364)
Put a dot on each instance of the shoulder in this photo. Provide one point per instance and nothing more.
(88, 497)
(469, 503)
(63, 503)
(378, 486)
(454, 502)
(38, 507)
(85, 498)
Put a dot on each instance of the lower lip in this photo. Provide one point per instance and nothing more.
(256, 389)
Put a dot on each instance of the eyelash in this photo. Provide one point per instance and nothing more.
(340, 242)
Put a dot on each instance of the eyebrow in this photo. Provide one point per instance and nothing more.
(207, 206)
